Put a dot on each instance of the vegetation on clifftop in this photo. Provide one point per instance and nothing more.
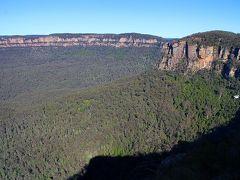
(215, 38)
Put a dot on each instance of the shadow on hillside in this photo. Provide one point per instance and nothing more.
(146, 166)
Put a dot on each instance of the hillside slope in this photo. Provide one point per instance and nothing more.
(147, 113)
(212, 156)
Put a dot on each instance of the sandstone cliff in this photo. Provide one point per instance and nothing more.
(121, 40)
(202, 51)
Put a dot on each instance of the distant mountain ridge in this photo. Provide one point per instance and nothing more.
(68, 39)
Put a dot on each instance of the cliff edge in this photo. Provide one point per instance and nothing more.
(114, 40)
(214, 50)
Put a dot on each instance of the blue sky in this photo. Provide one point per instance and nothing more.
(166, 18)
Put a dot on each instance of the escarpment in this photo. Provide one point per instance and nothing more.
(114, 40)
(203, 52)
(214, 50)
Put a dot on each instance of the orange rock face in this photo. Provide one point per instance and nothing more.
(195, 57)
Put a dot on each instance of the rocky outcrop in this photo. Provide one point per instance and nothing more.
(121, 40)
(193, 54)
